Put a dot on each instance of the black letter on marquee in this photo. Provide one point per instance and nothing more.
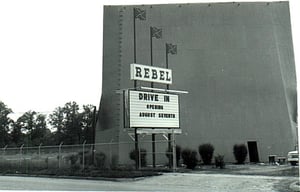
(140, 96)
(154, 74)
(168, 77)
(166, 98)
(138, 72)
(162, 75)
(146, 72)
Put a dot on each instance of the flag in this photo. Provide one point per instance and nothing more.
(156, 32)
(139, 13)
(171, 48)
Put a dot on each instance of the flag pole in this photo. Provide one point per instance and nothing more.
(151, 51)
(136, 138)
(153, 135)
(134, 42)
(169, 134)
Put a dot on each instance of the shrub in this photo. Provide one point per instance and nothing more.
(169, 155)
(132, 156)
(219, 161)
(73, 159)
(189, 158)
(88, 158)
(240, 153)
(206, 152)
(114, 162)
(100, 159)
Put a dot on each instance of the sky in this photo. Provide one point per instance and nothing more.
(51, 51)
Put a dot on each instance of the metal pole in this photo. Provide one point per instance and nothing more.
(151, 52)
(134, 37)
(21, 155)
(153, 150)
(135, 84)
(170, 149)
(83, 145)
(94, 135)
(140, 162)
(153, 135)
(136, 137)
(4, 148)
(167, 61)
(174, 151)
(40, 154)
(134, 43)
(40, 150)
(169, 134)
(110, 151)
(59, 154)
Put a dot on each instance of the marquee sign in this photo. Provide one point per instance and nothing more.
(150, 109)
(151, 74)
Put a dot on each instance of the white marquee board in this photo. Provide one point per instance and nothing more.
(152, 110)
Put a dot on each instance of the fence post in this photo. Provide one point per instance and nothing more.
(40, 151)
(140, 162)
(21, 148)
(110, 152)
(83, 145)
(4, 148)
(59, 153)
(40, 154)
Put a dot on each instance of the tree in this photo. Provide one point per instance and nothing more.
(87, 118)
(16, 134)
(57, 121)
(69, 123)
(34, 127)
(5, 123)
(40, 133)
(27, 121)
(72, 123)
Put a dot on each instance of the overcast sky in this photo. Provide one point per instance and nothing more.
(51, 51)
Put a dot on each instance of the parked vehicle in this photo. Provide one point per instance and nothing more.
(293, 157)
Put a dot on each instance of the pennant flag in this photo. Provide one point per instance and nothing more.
(171, 48)
(156, 32)
(139, 13)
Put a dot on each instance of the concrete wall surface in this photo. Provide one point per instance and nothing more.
(235, 60)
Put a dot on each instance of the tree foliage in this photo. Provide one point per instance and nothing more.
(68, 124)
(5, 123)
(32, 129)
(71, 125)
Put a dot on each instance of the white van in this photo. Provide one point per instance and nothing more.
(293, 157)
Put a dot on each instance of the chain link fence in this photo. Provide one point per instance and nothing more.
(81, 157)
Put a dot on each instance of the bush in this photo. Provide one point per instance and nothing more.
(189, 158)
(73, 160)
(206, 152)
(114, 162)
(219, 161)
(100, 160)
(169, 155)
(132, 156)
(240, 153)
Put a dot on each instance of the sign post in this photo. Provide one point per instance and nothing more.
(152, 110)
